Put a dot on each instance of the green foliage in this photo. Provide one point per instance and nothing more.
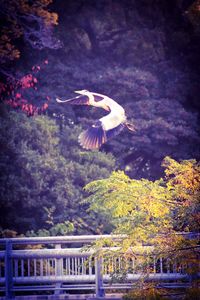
(143, 208)
(183, 181)
(43, 171)
(143, 294)
(140, 208)
(86, 164)
(150, 212)
(121, 53)
(57, 229)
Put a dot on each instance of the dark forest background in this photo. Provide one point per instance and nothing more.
(145, 54)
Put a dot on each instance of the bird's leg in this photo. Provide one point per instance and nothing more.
(130, 126)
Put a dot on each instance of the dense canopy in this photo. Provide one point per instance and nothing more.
(143, 54)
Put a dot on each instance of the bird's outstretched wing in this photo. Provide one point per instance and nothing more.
(95, 136)
(79, 100)
(98, 98)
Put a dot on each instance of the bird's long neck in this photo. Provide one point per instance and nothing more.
(101, 104)
(114, 106)
(90, 96)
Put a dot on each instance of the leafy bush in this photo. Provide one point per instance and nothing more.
(192, 294)
(143, 294)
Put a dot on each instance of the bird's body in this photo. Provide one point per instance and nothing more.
(105, 127)
(112, 120)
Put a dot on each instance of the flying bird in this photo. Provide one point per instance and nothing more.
(104, 128)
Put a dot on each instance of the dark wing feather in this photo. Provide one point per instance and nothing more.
(115, 131)
(79, 100)
(98, 98)
(93, 137)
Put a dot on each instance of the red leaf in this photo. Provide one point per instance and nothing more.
(45, 106)
(18, 95)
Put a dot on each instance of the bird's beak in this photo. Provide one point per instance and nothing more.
(78, 92)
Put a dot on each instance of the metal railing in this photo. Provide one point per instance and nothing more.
(55, 264)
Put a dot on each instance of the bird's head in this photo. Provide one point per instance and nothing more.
(82, 92)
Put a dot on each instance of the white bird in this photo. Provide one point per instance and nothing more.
(106, 127)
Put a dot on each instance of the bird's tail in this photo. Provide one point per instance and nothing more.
(93, 137)
(130, 126)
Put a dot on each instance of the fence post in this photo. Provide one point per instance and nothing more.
(58, 271)
(8, 270)
(161, 265)
(99, 277)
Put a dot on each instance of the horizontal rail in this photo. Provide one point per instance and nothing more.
(70, 252)
(50, 253)
(80, 238)
(60, 239)
(91, 278)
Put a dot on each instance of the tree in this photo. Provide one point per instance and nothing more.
(19, 93)
(147, 210)
(25, 24)
(85, 165)
(37, 173)
(163, 128)
(183, 180)
(150, 213)
(28, 21)
(143, 55)
(193, 13)
(164, 125)
(139, 208)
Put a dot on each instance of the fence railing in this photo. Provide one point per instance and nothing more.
(55, 264)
